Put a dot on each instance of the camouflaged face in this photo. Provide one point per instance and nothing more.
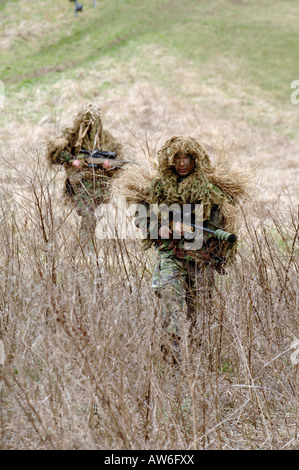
(183, 145)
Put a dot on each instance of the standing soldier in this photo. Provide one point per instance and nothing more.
(183, 276)
(85, 186)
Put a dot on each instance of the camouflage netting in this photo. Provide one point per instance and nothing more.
(224, 184)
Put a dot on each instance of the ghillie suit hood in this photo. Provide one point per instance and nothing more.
(86, 133)
(223, 185)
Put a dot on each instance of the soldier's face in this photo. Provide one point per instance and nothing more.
(183, 164)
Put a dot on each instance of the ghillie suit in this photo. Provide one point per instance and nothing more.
(87, 187)
(181, 275)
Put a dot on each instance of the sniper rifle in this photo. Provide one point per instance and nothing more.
(190, 228)
(219, 233)
(97, 157)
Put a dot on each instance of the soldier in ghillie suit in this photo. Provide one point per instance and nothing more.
(85, 187)
(184, 277)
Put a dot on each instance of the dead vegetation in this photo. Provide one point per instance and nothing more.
(81, 330)
(82, 365)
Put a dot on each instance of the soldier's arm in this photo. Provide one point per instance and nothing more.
(61, 156)
(57, 153)
(151, 225)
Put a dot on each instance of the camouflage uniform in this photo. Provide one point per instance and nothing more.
(183, 278)
(179, 281)
(86, 188)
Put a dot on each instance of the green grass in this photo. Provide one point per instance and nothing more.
(4, 3)
(252, 44)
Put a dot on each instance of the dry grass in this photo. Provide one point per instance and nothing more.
(81, 328)
(83, 364)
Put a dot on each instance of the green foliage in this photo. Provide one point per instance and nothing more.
(252, 43)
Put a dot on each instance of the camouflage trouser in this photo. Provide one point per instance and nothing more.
(184, 287)
(87, 195)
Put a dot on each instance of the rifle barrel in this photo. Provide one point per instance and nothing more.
(96, 156)
(94, 161)
(219, 234)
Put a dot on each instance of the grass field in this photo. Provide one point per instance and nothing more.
(252, 43)
(83, 366)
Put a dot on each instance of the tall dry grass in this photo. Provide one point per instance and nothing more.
(81, 329)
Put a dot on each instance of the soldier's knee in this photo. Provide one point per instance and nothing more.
(170, 292)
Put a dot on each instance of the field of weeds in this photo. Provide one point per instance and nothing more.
(83, 363)
(80, 352)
